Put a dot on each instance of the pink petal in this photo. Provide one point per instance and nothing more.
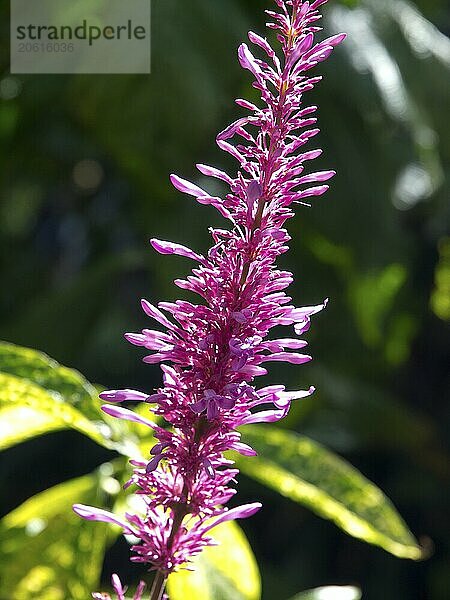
(246, 104)
(248, 61)
(299, 314)
(153, 359)
(185, 186)
(292, 344)
(90, 513)
(171, 248)
(140, 590)
(302, 326)
(290, 357)
(262, 43)
(334, 40)
(123, 396)
(117, 585)
(303, 47)
(213, 172)
(285, 398)
(232, 129)
(137, 339)
(319, 176)
(153, 464)
(226, 147)
(156, 314)
(265, 416)
(314, 191)
(243, 449)
(254, 191)
(240, 512)
(127, 415)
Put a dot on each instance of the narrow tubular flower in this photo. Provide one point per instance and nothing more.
(120, 591)
(212, 352)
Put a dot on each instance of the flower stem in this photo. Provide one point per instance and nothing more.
(159, 585)
(180, 511)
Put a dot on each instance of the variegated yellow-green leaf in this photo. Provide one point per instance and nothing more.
(38, 396)
(48, 553)
(28, 410)
(225, 572)
(308, 473)
(39, 368)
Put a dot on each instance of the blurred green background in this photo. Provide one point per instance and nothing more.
(84, 164)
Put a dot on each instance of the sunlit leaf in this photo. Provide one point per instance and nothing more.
(28, 410)
(332, 592)
(225, 572)
(48, 553)
(306, 472)
(39, 368)
(38, 396)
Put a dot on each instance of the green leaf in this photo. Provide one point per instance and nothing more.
(330, 593)
(48, 553)
(225, 572)
(38, 396)
(372, 296)
(39, 368)
(28, 410)
(306, 472)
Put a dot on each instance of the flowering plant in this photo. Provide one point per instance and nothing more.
(211, 353)
(46, 551)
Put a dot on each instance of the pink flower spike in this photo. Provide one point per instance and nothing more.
(214, 342)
